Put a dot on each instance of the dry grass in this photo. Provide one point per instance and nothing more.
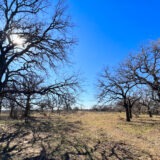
(81, 136)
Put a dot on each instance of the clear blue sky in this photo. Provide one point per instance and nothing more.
(107, 31)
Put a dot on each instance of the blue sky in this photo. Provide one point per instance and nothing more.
(107, 31)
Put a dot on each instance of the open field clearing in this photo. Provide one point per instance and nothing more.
(80, 136)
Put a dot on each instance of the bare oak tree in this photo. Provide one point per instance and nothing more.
(147, 100)
(144, 67)
(114, 87)
(30, 41)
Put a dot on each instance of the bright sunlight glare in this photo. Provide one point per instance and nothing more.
(17, 40)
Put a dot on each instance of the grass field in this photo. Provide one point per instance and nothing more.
(80, 136)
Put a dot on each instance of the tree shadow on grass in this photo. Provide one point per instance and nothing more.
(145, 122)
(31, 137)
(57, 139)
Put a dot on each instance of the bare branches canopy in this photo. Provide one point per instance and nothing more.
(28, 40)
(133, 80)
(32, 41)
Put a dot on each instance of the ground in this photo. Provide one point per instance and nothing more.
(80, 136)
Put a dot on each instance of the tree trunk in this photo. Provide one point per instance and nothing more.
(127, 113)
(28, 107)
(12, 110)
(149, 112)
(0, 106)
(52, 109)
(139, 110)
(130, 112)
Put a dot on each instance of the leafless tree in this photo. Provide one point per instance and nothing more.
(29, 83)
(144, 68)
(113, 87)
(131, 100)
(49, 103)
(68, 101)
(29, 45)
(29, 40)
(147, 100)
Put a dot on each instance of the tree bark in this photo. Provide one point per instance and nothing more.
(0, 106)
(149, 112)
(12, 110)
(28, 107)
(127, 113)
(130, 112)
